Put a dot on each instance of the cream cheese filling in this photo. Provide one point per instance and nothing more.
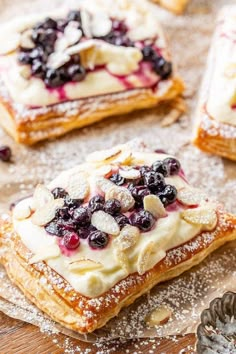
(168, 232)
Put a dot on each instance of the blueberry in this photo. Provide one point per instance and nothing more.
(61, 24)
(5, 153)
(143, 220)
(53, 228)
(74, 15)
(117, 179)
(160, 167)
(144, 169)
(82, 216)
(122, 220)
(148, 53)
(138, 193)
(162, 67)
(98, 239)
(67, 225)
(64, 213)
(55, 78)
(38, 53)
(71, 240)
(168, 195)
(47, 23)
(119, 26)
(76, 72)
(96, 203)
(38, 69)
(173, 165)
(24, 57)
(84, 232)
(59, 193)
(72, 203)
(45, 37)
(112, 206)
(154, 181)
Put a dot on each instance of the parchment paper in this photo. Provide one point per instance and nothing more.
(187, 295)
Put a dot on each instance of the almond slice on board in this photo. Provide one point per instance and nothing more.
(83, 265)
(191, 196)
(158, 316)
(123, 195)
(105, 223)
(205, 216)
(44, 215)
(153, 204)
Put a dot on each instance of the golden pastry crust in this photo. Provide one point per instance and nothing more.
(176, 6)
(33, 125)
(53, 295)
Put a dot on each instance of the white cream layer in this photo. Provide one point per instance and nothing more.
(168, 232)
(221, 100)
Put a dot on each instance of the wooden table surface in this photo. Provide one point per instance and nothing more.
(21, 338)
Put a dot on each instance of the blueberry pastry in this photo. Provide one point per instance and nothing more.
(215, 130)
(176, 6)
(105, 232)
(68, 69)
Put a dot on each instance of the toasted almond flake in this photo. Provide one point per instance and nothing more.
(153, 204)
(11, 43)
(101, 25)
(205, 216)
(57, 59)
(83, 265)
(191, 196)
(44, 215)
(22, 210)
(129, 173)
(105, 222)
(72, 33)
(103, 184)
(159, 316)
(50, 252)
(78, 186)
(26, 40)
(124, 158)
(80, 47)
(144, 258)
(103, 170)
(127, 238)
(103, 155)
(25, 72)
(86, 23)
(42, 196)
(121, 258)
(123, 195)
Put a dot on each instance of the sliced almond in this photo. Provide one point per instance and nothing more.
(205, 216)
(61, 44)
(159, 316)
(26, 40)
(191, 196)
(50, 252)
(24, 71)
(122, 258)
(103, 170)
(105, 222)
(80, 47)
(129, 173)
(86, 23)
(44, 215)
(83, 265)
(153, 204)
(123, 195)
(57, 59)
(103, 184)
(78, 186)
(127, 238)
(72, 33)
(101, 25)
(10, 43)
(42, 196)
(104, 155)
(144, 258)
(22, 210)
(124, 158)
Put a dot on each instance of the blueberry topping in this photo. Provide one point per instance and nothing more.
(5, 153)
(71, 240)
(47, 23)
(121, 220)
(168, 195)
(144, 169)
(53, 228)
(74, 15)
(162, 67)
(76, 72)
(148, 53)
(59, 193)
(44, 37)
(138, 193)
(160, 167)
(173, 165)
(24, 57)
(38, 69)
(154, 181)
(84, 232)
(64, 213)
(112, 206)
(38, 53)
(67, 225)
(55, 78)
(143, 220)
(96, 203)
(72, 203)
(98, 239)
(117, 179)
(82, 216)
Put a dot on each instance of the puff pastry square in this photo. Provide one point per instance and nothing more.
(68, 69)
(215, 130)
(176, 6)
(103, 233)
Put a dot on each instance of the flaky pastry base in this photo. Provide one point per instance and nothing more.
(33, 125)
(53, 295)
(176, 6)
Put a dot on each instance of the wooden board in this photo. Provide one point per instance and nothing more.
(18, 337)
